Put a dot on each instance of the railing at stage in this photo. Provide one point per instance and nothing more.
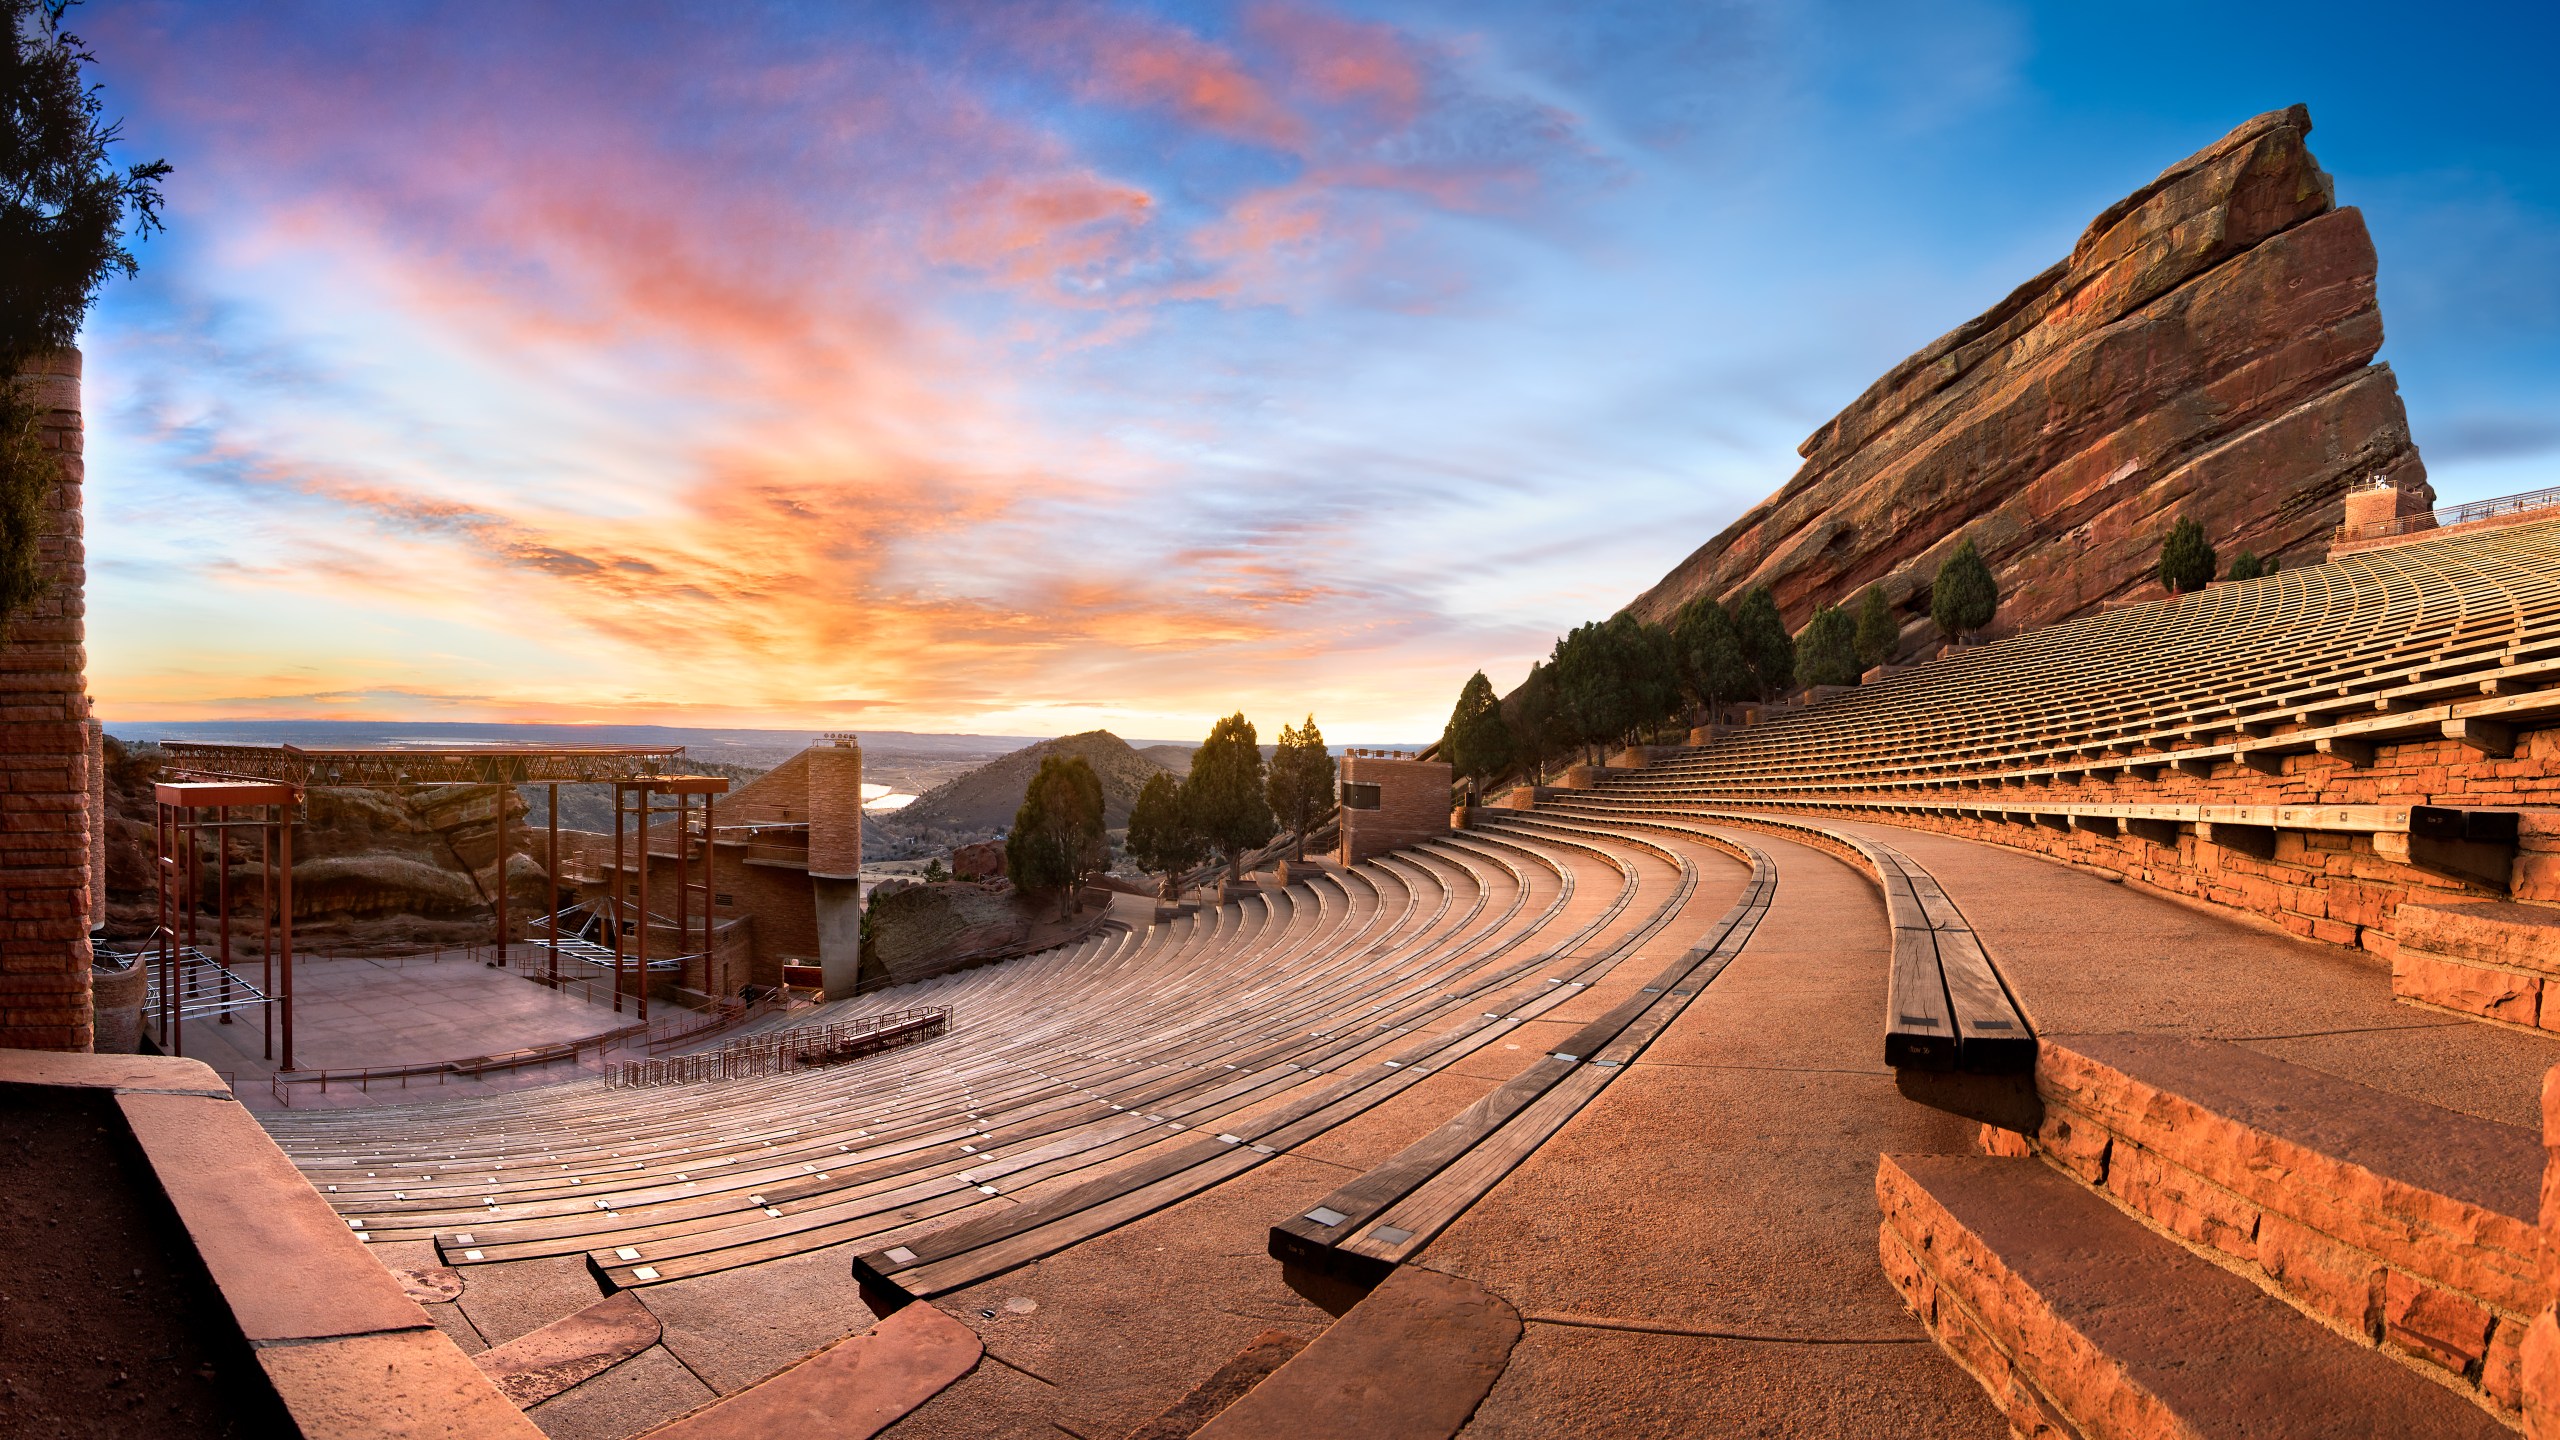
(772, 1054)
(656, 1035)
(2452, 515)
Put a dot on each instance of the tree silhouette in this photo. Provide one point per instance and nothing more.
(63, 209)
(1476, 742)
(1300, 785)
(1224, 796)
(1160, 835)
(1057, 837)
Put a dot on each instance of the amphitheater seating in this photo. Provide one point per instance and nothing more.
(2382, 645)
(1077, 1088)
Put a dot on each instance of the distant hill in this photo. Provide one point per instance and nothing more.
(1176, 758)
(984, 800)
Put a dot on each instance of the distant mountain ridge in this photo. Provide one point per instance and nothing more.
(985, 799)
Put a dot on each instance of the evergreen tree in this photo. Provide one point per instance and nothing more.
(1300, 786)
(1535, 716)
(1224, 796)
(1591, 686)
(1476, 743)
(1710, 649)
(2247, 566)
(2186, 557)
(1766, 646)
(63, 209)
(1879, 634)
(1160, 835)
(1827, 649)
(1654, 670)
(1057, 838)
(1964, 597)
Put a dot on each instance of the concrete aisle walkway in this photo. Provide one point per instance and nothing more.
(2088, 955)
(1098, 1339)
(1695, 1253)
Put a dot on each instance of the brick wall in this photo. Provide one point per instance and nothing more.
(835, 809)
(45, 849)
(2334, 887)
(1413, 804)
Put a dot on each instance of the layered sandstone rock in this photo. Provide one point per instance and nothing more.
(2205, 350)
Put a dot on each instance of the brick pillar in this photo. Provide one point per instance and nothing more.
(45, 874)
(835, 809)
(835, 860)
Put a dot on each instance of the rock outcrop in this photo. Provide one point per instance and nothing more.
(2205, 350)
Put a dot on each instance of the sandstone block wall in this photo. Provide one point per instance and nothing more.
(46, 852)
(2205, 350)
(1413, 804)
(2341, 888)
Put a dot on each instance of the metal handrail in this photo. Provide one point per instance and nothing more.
(771, 1054)
(690, 1025)
(2452, 515)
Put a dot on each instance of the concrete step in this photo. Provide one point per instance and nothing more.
(2081, 1322)
(1411, 1360)
(2401, 1225)
(2496, 959)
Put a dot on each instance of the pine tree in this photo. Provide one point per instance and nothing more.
(1964, 597)
(1827, 648)
(62, 227)
(1161, 838)
(1224, 796)
(1653, 668)
(1879, 634)
(2247, 566)
(1710, 648)
(1300, 786)
(2186, 558)
(1057, 837)
(1535, 718)
(1476, 742)
(1766, 646)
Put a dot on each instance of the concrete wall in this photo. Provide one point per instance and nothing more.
(46, 874)
(1413, 804)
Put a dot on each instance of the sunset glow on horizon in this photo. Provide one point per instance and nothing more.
(1029, 368)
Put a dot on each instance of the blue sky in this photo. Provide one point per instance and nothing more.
(1027, 367)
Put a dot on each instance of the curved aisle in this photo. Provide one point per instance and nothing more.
(1695, 1252)
(2090, 955)
(1098, 1338)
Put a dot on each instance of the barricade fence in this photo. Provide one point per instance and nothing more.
(778, 1051)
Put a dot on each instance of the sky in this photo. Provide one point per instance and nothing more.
(1027, 368)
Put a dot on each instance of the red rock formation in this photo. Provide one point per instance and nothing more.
(2206, 350)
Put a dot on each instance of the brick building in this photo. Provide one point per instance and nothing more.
(1391, 802)
(785, 860)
